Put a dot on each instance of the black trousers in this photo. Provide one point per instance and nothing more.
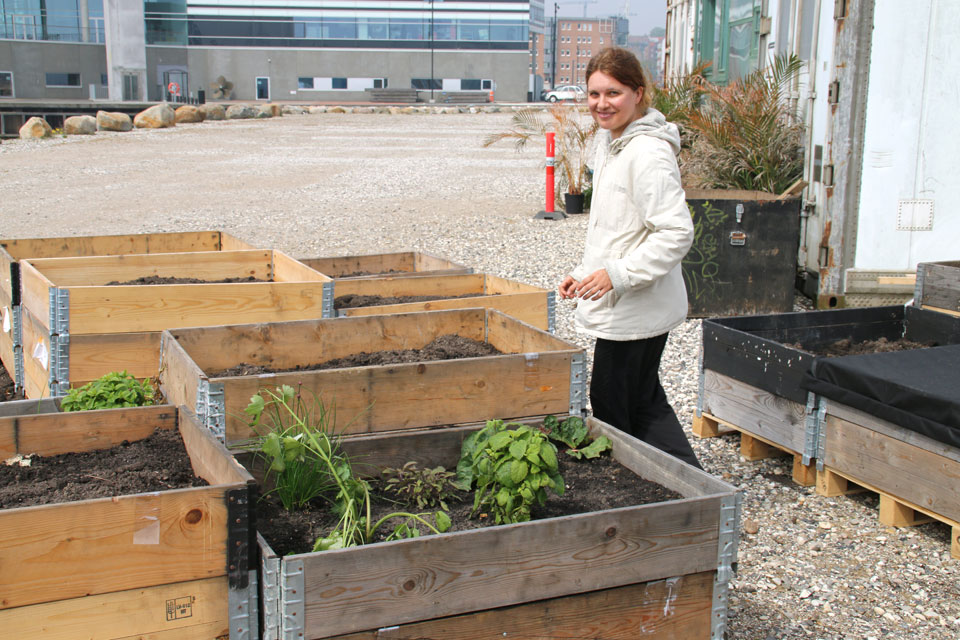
(626, 393)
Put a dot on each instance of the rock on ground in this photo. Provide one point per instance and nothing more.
(80, 125)
(159, 116)
(35, 128)
(113, 121)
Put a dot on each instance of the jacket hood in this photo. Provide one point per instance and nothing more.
(652, 124)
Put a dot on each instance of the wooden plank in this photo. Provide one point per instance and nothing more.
(511, 335)
(230, 242)
(111, 544)
(426, 262)
(6, 332)
(370, 265)
(528, 307)
(503, 286)
(424, 578)
(179, 375)
(308, 342)
(452, 285)
(52, 434)
(793, 190)
(898, 280)
(286, 269)
(410, 395)
(195, 610)
(71, 246)
(205, 265)
(939, 310)
(6, 274)
(92, 356)
(16, 408)
(940, 285)
(34, 290)
(155, 308)
(658, 610)
(36, 357)
(208, 457)
(754, 449)
(728, 194)
(905, 471)
(755, 412)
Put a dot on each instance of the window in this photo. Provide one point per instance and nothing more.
(305, 83)
(6, 84)
(379, 83)
(426, 84)
(728, 35)
(63, 79)
(103, 80)
(338, 83)
(469, 84)
(486, 85)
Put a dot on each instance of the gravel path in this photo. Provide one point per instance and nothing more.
(335, 184)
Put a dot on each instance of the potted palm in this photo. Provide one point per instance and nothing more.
(574, 136)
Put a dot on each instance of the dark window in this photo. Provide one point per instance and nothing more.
(103, 80)
(339, 83)
(6, 84)
(425, 84)
(487, 85)
(63, 79)
(379, 83)
(469, 84)
(305, 83)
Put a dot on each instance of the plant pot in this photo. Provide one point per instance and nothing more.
(573, 202)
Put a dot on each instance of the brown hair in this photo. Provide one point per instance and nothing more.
(623, 66)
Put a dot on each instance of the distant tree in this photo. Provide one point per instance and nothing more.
(658, 32)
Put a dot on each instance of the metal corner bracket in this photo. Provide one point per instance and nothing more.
(291, 599)
(211, 410)
(578, 384)
(821, 430)
(552, 311)
(59, 374)
(18, 372)
(242, 581)
(270, 570)
(729, 534)
(326, 304)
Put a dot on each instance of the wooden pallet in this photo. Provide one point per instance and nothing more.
(753, 447)
(405, 264)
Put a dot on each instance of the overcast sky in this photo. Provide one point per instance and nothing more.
(648, 13)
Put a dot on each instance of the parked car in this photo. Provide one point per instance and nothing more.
(567, 92)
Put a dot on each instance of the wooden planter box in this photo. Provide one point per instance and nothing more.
(752, 372)
(168, 565)
(537, 374)
(76, 328)
(522, 301)
(938, 286)
(14, 250)
(408, 264)
(744, 256)
(657, 570)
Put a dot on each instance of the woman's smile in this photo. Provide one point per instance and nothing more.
(613, 104)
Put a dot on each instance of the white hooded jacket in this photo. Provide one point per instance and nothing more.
(639, 230)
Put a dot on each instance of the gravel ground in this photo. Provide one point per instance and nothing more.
(333, 184)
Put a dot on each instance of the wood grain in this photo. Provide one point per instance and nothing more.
(451, 285)
(527, 307)
(179, 375)
(36, 339)
(286, 269)
(940, 285)
(34, 291)
(184, 241)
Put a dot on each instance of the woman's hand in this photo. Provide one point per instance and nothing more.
(568, 288)
(594, 286)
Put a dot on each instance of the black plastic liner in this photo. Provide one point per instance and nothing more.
(918, 390)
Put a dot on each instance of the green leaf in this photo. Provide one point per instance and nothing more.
(548, 455)
(518, 471)
(597, 447)
(499, 440)
(504, 476)
(517, 450)
(443, 521)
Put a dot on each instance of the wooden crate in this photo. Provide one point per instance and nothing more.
(753, 366)
(657, 570)
(938, 286)
(407, 264)
(913, 474)
(536, 374)
(76, 328)
(522, 301)
(167, 565)
(14, 250)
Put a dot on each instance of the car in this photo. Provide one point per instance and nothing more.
(566, 92)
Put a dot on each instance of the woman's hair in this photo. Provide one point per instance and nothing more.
(623, 66)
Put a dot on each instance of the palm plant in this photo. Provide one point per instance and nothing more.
(574, 135)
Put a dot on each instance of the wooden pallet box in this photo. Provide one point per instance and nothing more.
(525, 302)
(167, 565)
(753, 366)
(77, 328)
(658, 570)
(405, 264)
(14, 250)
(938, 286)
(536, 373)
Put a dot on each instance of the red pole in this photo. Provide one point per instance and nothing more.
(550, 166)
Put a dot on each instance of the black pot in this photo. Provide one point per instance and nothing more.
(573, 202)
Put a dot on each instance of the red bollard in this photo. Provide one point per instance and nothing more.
(550, 168)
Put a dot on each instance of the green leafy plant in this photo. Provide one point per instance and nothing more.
(111, 391)
(573, 432)
(511, 465)
(423, 488)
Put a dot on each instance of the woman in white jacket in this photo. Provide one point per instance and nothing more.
(629, 286)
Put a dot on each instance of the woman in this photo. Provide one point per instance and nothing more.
(629, 286)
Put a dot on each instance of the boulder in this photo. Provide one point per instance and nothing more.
(213, 111)
(241, 112)
(409, 110)
(336, 110)
(276, 109)
(264, 111)
(320, 109)
(35, 128)
(113, 121)
(159, 116)
(188, 113)
(80, 125)
(294, 110)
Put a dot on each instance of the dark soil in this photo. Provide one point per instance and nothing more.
(156, 463)
(591, 485)
(446, 347)
(357, 274)
(848, 347)
(352, 301)
(6, 387)
(174, 280)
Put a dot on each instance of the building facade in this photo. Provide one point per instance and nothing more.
(571, 42)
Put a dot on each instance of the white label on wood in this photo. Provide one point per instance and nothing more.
(6, 320)
(41, 354)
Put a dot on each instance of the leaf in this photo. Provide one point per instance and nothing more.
(596, 447)
(550, 423)
(443, 521)
(505, 476)
(548, 455)
(517, 450)
(499, 440)
(518, 471)
(572, 432)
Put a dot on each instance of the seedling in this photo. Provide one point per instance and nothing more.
(423, 488)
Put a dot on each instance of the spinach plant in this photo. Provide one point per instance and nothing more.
(112, 391)
(573, 433)
(511, 465)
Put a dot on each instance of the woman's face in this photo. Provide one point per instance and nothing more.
(612, 104)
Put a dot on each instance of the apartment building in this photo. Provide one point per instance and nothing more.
(571, 42)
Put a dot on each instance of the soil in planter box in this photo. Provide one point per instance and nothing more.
(173, 280)
(7, 386)
(446, 347)
(591, 485)
(847, 347)
(157, 463)
(352, 301)
(357, 274)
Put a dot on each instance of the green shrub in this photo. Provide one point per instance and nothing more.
(112, 391)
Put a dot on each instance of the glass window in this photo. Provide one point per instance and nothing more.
(373, 28)
(486, 85)
(444, 30)
(425, 84)
(407, 30)
(469, 84)
(338, 83)
(103, 80)
(474, 30)
(379, 83)
(340, 28)
(305, 83)
(6, 84)
(63, 79)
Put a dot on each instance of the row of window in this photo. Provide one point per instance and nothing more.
(423, 84)
(71, 80)
(567, 66)
(565, 26)
(580, 53)
(580, 39)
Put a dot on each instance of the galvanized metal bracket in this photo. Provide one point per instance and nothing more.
(211, 410)
(59, 373)
(270, 571)
(551, 311)
(292, 599)
(578, 384)
(821, 430)
(244, 613)
(238, 537)
(18, 373)
(811, 429)
(326, 305)
(701, 386)
(59, 311)
(729, 535)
